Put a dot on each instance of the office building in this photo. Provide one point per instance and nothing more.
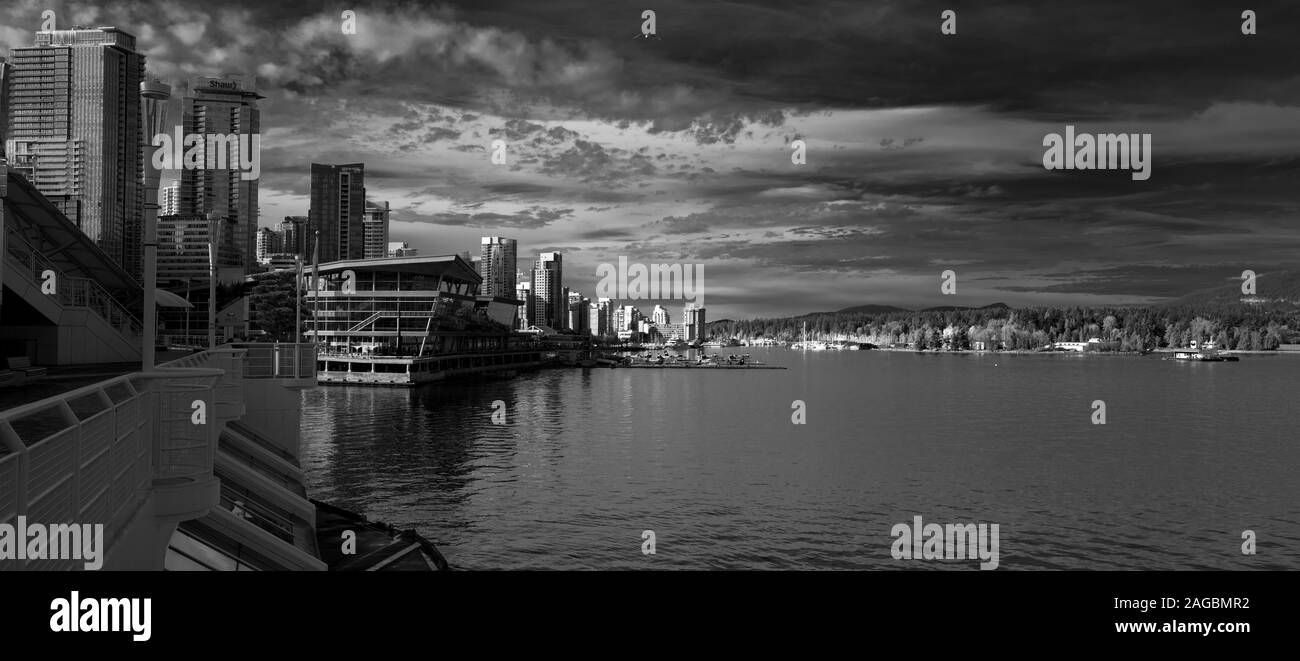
(338, 194)
(550, 306)
(401, 249)
(224, 106)
(293, 236)
(183, 250)
(74, 128)
(496, 264)
(375, 230)
(579, 316)
(268, 243)
(169, 199)
(694, 328)
(659, 316)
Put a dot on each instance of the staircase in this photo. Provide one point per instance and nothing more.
(92, 326)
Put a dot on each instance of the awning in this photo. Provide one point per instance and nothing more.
(166, 299)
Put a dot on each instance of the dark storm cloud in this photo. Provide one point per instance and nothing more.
(953, 177)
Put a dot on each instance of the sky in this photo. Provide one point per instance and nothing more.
(924, 151)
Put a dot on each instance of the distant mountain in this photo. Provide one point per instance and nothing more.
(1272, 288)
(886, 309)
(953, 308)
(868, 309)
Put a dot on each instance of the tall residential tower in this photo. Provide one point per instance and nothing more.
(73, 126)
(497, 266)
(338, 205)
(224, 106)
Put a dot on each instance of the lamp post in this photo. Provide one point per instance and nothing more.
(213, 219)
(153, 97)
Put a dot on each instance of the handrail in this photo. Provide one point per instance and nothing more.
(72, 291)
(278, 360)
(92, 453)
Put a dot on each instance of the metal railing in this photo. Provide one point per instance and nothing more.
(279, 360)
(70, 291)
(91, 455)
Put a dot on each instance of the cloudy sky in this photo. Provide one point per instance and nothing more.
(924, 150)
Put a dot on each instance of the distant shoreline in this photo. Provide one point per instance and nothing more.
(1035, 352)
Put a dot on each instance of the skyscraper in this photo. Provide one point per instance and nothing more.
(183, 250)
(338, 204)
(225, 106)
(659, 316)
(551, 306)
(693, 323)
(293, 235)
(74, 127)
(375, 232)
(496, 264)
(268, 243)
(169, 199)
(524, 292)
(4, 98)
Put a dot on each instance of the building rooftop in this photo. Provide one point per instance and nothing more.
(451, 266)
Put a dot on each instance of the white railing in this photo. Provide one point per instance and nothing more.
(91, 455)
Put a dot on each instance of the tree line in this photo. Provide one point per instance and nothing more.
(1237, 326)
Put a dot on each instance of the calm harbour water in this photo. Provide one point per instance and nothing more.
(1191, 455)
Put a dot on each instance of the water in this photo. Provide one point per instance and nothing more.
(1191, 455)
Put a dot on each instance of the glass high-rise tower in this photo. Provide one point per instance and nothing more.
(73, 126)
(497, 266)
(338, 206)
(224, 106)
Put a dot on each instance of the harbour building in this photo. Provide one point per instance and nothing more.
(402, 321)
